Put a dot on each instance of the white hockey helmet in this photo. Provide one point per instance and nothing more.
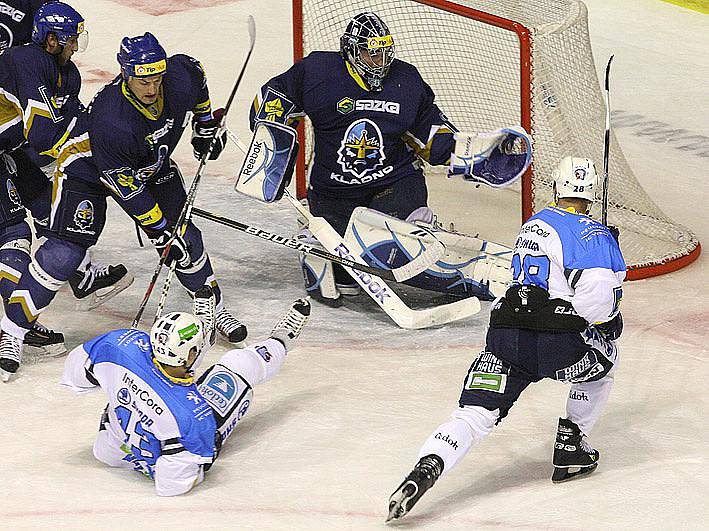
(173, 337)
(576, 177)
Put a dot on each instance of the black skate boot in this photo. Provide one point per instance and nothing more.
(345, 284)
(573, 456)
(41, 341)
(10, 355)
(230, 327)
(291, 324)
(99, 283)
(203, 307)
(421, 478)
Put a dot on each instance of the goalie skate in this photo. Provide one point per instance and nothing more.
(421, 478)
(573, 456)
(99, 283)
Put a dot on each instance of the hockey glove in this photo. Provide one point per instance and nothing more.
(179, 250)
(202, 134)
(612, 329)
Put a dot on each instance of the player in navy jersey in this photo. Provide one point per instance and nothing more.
(374, 120)
(159, 420)
(39, 104)
(121, 148)
(559, 320)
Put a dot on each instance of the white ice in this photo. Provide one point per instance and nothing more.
(329, 439)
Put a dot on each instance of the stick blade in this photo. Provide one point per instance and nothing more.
(252, 30)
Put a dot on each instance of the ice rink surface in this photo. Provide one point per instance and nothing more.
(328, 440)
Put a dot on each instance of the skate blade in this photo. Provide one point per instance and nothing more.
(100, 296)
(48, 351)
(561, 475)
(397, 509)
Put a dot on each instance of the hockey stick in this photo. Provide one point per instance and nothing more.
(393, 275)
(186, 212)
(606, 145)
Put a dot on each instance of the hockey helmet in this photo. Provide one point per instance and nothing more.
(576, 177)
(62, 20)
(141, 56)
(173, 337)
(367, 45)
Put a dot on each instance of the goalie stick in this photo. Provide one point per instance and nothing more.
(186, 212)
(377, 289)
(394, 275)
(606, 145)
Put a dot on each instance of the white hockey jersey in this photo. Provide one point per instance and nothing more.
(574, 258)
(160, 427)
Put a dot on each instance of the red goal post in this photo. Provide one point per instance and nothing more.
(509, 62)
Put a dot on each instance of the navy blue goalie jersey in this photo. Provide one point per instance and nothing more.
(362, 138)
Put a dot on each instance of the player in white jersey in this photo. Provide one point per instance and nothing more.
(559, 320)
(159, 420)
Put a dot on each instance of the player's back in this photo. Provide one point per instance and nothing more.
(555, 245)
(16, 17)
(150, 407)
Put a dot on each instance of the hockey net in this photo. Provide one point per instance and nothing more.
(493, 63)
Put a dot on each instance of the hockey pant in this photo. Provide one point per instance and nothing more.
(228, 384)
(492, 386)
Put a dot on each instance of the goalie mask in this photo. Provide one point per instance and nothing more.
(368, 47)
(576, 177)
(173, 337)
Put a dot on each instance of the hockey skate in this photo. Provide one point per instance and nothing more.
(203, 307)
(41, 341)
(291, 324)
(99, 283)
(230, 327)
(573, 456)
(10, 355)
(421, 478)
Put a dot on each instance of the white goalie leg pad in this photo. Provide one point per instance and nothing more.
(318, 273)
(452, 440)
(587, 400)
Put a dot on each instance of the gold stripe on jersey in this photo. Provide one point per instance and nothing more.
(34, 112)
(424, 151)
(78, 147)
(203, 108)
(25, 305)
(356, 76)
(9, 112)
(152, 111)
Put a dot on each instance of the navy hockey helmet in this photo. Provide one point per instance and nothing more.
(62, 20)
(141, 56)
(367, 45)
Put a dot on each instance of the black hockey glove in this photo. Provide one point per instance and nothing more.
(612, 329)
(179, 250)
(203, 133)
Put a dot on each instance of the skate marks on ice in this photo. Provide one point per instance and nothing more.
(164, 7)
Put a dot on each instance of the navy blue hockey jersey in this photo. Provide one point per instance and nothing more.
(16, 17)
(362, 138)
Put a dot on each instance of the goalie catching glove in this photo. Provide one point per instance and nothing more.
(268, 165)
(496, 159)
(203, 131)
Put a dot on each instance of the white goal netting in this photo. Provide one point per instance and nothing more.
(477, 71)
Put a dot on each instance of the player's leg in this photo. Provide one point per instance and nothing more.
(490, 389)
(228, 385)
(93, 283)
(573, 454)
(108, 445)
(170, 194)
(78, 217)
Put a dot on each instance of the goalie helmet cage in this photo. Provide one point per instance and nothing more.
(494, 63)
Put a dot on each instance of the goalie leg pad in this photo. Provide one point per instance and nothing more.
(318, 273)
